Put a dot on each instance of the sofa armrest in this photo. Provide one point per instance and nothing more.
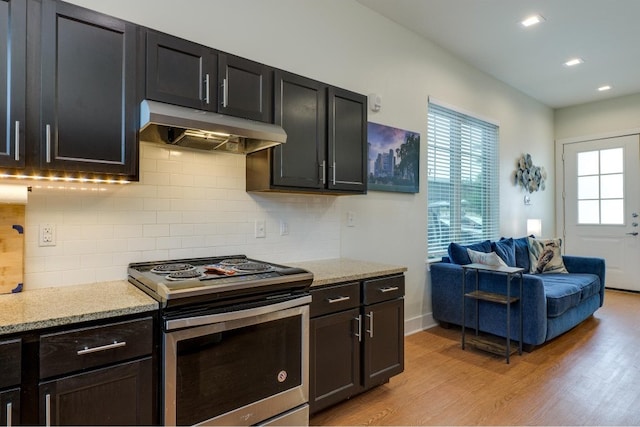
(446, 299)
(588, 265)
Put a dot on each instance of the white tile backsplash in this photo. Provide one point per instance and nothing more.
(187, 204)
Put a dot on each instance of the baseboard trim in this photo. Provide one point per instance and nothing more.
(419, 323)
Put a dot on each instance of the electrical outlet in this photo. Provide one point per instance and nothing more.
(351, 219)
(47, 235)
(260, 228)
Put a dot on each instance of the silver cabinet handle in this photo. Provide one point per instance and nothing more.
(359, 333)
(115, 344)
(9, 414)
(370, 330)
(334, 174)
(206, 88)
(47, 410)
(48, 141)
(225, 93)
(17, 141)
(339, 299)
(324, 166)
(389, 289)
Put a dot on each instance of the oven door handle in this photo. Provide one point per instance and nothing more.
(235, 315)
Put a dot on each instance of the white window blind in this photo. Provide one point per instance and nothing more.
(463, 190)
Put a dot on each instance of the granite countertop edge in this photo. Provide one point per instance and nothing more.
(57, 306)
(339, 270)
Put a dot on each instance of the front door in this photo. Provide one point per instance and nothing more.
(601, 205)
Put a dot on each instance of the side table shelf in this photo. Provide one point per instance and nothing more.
(484, 343)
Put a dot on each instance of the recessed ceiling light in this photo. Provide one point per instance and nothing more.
(604, 88)
(531, 20)
(574, 61)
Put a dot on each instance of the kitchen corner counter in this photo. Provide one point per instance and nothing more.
(44, 308)
(329, 271)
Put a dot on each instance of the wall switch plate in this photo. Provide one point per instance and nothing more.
(284, 228)
(47, 235)
(261, 228)
(351, 219)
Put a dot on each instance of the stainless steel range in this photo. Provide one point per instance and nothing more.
(235, 339)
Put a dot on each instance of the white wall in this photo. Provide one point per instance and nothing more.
(597, 118)
(339, 42)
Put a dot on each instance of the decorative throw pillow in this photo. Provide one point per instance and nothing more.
(506, 250)
(545, 256)
(458, 253)
(490, 258)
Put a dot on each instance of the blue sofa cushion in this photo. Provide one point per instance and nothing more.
(521, 247)
(458, 253)
(565, 291)
(506, 250)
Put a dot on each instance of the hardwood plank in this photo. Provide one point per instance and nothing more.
(588, 376)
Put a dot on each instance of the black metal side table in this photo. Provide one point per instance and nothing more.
(497, 298)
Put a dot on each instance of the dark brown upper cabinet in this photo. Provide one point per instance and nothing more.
(245, 88)
(13, 39)
(347, 141)
(326, 148)
(181, 72)
(88, 107)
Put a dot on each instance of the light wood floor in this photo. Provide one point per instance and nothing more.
(588, 376)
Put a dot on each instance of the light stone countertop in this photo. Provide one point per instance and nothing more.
(329, 271)
(44, 308)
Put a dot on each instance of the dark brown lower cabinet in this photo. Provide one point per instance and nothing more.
(10, 407)
(117, 395)
(357, 338)
(334, 359)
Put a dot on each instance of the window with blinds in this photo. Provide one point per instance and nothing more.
(463, 190)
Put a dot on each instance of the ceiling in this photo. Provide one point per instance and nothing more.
(487, 34)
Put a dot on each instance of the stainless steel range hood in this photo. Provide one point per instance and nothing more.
(205, 130)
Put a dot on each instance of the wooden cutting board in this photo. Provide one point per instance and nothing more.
(11, 247)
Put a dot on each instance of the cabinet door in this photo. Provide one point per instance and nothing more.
(347, 141)
(300, 108)
(10, 407)
(88, 99)
(334, 373)
(119, 395)
(383, 341)
(181, 72)
(13, 33)
(246, 88)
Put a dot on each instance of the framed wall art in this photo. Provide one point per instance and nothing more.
(393, 161)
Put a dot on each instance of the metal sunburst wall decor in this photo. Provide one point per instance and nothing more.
(530, 177)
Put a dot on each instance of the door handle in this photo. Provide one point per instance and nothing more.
(359, 333)
(16, 156)
(370, 330)
(9, 414)
(635, 233)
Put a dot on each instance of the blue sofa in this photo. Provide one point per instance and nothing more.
(552, 303)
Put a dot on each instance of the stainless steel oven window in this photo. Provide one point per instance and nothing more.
(262, 321)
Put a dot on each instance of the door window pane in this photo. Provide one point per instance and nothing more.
(612, 212)
(588, 163)
(588, 212)
(588, 187)
(612, 186)
(611, 161)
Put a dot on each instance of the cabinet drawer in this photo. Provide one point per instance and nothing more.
(383, 289)
(10, 362)
(335, 298)
(79, 349)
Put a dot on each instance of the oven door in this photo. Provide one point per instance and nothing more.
(242, 368)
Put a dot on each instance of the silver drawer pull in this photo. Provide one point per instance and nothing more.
(16, 156)
(9, 408)
(115, 344)
(47, 410)
(389, 289)
(339, 299)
